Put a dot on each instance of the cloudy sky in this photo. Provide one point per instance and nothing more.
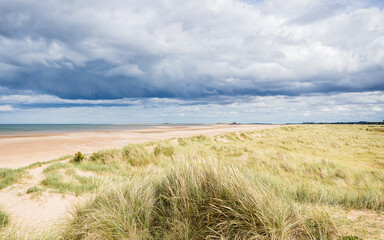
(153, 61)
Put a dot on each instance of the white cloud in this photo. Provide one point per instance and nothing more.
(258, 60)
(6, 108)
(179, 42)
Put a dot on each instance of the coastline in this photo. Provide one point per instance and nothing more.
(22, 150)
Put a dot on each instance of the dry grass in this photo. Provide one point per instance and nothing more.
(196, 201)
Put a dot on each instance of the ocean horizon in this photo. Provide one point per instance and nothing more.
(33, 129)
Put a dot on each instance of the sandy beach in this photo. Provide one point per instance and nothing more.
(20, 151)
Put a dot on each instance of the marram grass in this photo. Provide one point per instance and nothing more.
(196, 200)
(4, 219)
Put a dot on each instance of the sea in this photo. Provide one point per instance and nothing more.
(36, 129)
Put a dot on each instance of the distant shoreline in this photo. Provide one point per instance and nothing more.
(27, 130)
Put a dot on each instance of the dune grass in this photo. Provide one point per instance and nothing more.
(3, 219)
(34, 189)
(9, 176)
(196, 201)
(295, 172)
(39, 164)
(273, 184)
(335, 165)
(70, 181)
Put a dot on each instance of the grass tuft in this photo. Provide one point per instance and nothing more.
(9, 176)
(70, 182)
(34, 189)
(4, 220)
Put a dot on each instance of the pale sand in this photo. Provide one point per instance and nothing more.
(36, 211)
(21, 151)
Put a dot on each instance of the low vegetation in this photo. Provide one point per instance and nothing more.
(9, 176)
(70, 181)
(296, 182)
(34, 189)
(3, 219)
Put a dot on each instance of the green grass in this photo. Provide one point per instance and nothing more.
(34, 189)
(3, 219)
(70, 182)
(9, 176)
(39, 164)
(57, 166)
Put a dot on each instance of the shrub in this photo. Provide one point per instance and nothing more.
(77, 158)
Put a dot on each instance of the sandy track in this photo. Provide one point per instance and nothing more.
(20, 151)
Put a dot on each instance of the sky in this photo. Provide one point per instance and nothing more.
(201, 61)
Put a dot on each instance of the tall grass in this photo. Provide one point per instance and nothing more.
(133, 154)
(198, 200)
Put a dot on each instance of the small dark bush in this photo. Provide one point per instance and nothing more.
(79, 157)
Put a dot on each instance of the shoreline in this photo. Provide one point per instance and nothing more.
(22, 150)
(46, 134)
(88, 128)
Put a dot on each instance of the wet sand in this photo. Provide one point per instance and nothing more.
(20, 151)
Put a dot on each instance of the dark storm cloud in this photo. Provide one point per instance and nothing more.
(190, 50)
